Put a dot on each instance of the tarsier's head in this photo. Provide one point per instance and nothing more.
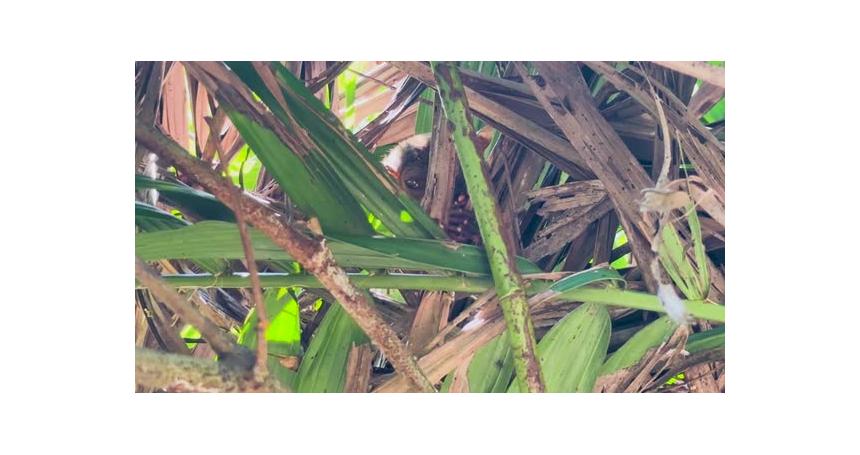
(407, 162)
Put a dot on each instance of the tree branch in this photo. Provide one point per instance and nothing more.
(178, 373)
(308, 249)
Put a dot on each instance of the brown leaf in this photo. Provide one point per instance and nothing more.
(662, 201)
(358, 369)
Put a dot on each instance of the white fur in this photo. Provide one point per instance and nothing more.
(394, 159)
(673, 304)
(150, 170)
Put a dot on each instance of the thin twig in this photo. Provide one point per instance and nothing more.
(712, 355)
(260, 369)
(330, 73)
(465, 314)
(223, 345)
(366, 76)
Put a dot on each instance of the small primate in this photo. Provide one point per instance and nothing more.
(408, 162)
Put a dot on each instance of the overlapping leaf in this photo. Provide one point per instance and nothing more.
(214, 239)
(572, 352)
(199, 203)
(323, 367)
(337, 155)
(283, 334)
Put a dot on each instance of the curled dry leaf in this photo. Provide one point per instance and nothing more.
(290, 362)
(662, 200)
(314, 226)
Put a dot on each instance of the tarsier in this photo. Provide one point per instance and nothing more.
(408, 163)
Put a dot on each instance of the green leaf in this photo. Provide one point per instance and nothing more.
(339, 154)
(284, 325)
(323, 368)
(315, 193)
(346, 83)
(203, 205)
(691, 276)
(244, 169)
(572, 352)
(699, 250)
(405, 217)
(716, 113)
(709, 339)
(219, 240)
(649, 337)
(283, 336)
(424, 117)
(149, 218)
(621, 263)
(492, 367)
(153, 219)
(586, 277)
(642, 301)
(674, 259)
(189, 331)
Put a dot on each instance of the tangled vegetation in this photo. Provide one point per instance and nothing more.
(545, 226)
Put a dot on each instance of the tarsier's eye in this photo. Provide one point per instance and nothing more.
(412, 184)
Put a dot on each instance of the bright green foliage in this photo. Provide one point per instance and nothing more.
(323, 367)
(189, 331)
(338, 161)
(346, 83)
(244, 169)
(283, 313)
(378, 226)
(424, 118)
(674, 380)
(314, 193)
(283, 334)
(716, 113)
(620, 240)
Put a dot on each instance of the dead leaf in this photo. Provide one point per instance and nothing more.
(662, 201)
